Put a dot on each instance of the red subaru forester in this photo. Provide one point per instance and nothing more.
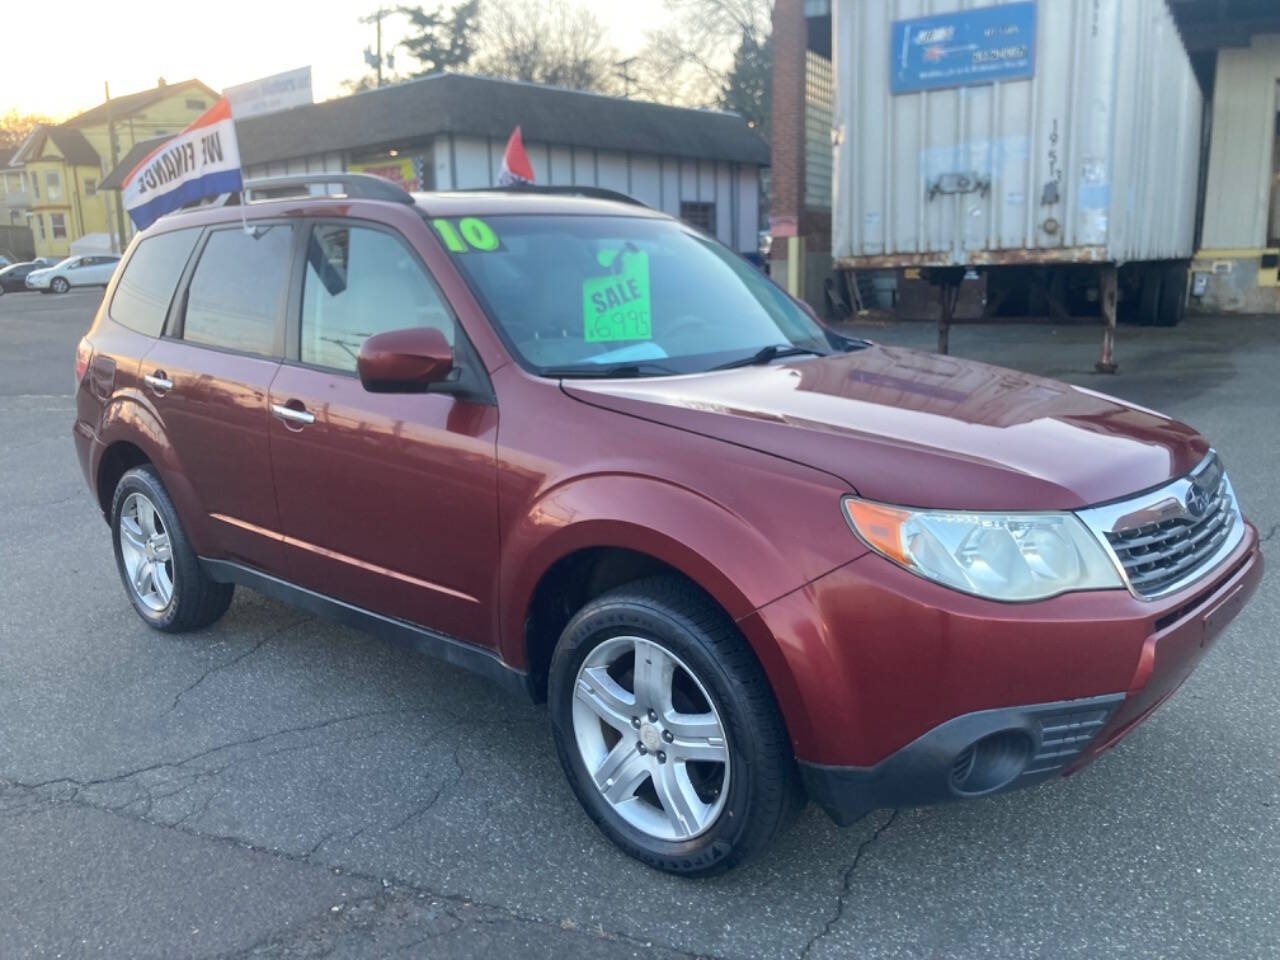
(579, 447)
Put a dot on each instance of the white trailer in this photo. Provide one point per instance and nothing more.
(1001, 135)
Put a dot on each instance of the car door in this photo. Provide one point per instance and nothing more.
(387, 501)
(71, 270)
(97, 270)
(208, 380)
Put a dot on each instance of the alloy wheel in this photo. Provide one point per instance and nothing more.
(650, 738)
(147, 552)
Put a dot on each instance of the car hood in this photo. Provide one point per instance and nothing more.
(923, 430)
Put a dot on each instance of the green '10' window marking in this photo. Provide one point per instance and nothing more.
(470, 233)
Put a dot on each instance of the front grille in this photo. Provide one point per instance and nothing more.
(1156, 555)
(1170, 537)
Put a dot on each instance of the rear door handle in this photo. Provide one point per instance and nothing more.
(290, 415)
(158, 382)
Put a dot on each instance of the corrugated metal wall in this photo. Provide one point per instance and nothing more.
(1094, 157)
(1238, 190)
(661, 182)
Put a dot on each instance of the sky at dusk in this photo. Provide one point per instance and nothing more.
(228, 42)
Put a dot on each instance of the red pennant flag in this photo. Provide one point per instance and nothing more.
(515, 162)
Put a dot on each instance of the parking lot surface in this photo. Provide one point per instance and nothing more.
(277, 786)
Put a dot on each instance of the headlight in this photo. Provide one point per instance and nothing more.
(1003, 556)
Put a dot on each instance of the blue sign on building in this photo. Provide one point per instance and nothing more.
(963, 49)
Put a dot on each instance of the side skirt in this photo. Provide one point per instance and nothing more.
(420, 639)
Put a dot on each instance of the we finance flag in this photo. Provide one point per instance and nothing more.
(201, 161)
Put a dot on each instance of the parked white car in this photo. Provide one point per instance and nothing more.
(78, 271)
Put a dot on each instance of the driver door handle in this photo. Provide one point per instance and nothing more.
(291, 415)
(158, 382)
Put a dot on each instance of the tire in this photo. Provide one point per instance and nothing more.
(1173, 295)
(175, 595)
(59, 285)
(742, 802)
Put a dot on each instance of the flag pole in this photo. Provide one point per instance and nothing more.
(244, 200)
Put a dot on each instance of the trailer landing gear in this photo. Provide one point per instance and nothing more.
(1106, 363)
(947, 280)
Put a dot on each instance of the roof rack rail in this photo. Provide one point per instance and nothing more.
(595, 193)
(356, 186)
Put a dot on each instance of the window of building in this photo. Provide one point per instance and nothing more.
(39, 221)
(237, 291)
(91, 188)
(53, 184)
(700, 215)
(58, 225)
(361, 282)
(141, 300)
(35, 187)
(195, 104)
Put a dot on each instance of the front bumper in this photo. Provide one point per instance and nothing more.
(37, 283)
(898, 692)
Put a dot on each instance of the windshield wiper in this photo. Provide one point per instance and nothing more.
(767, 354)
(605, 371)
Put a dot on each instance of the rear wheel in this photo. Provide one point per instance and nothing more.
(59, 285)
(668, 730)
(157, 564)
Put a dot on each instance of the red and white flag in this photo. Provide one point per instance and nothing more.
(515, 162)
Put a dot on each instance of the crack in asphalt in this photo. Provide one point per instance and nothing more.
(846, 886)
(1270, 533)
(209, 751)
(391, 887)
(228, 664)
(419, 812)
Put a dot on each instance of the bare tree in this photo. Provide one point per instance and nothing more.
(15, 126)
(552, 42)
(691, 58)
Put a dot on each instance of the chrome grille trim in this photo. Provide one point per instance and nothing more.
(1157, 544)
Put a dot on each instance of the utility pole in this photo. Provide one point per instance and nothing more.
(376, 19)
(624, 74)
(115, 162)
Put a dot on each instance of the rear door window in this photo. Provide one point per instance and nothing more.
(238, 289)
(361, 281)
(142, 297)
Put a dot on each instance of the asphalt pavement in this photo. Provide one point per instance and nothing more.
(277, 786)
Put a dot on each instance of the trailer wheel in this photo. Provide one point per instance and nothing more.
(1173, 295)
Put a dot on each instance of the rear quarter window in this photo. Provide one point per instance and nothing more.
(142, 297)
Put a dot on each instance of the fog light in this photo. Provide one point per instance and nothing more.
(991, 763)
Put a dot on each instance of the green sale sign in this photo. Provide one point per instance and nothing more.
(617, 307)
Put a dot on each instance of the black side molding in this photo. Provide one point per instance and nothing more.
(478, 660)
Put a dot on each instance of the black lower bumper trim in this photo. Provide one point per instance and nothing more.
(971, 755)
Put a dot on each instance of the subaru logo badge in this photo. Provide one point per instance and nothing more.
(1197, 501)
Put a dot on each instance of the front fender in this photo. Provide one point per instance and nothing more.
(741, 566)
(682, 528)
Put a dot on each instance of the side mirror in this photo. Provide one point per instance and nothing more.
(406, 361)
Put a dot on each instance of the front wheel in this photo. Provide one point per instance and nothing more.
(668, 730)
(59, 285)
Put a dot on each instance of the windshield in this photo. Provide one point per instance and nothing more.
(608, 296)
